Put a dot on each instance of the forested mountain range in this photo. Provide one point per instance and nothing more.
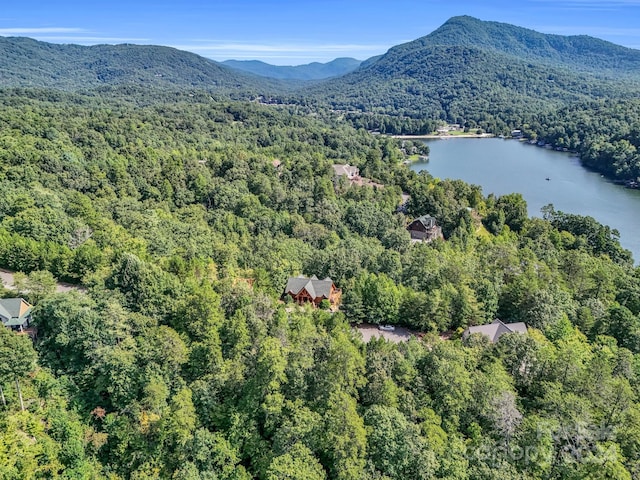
(492, 74)
(25, 62)
(310, 71)
(489, 73)
(580, 52)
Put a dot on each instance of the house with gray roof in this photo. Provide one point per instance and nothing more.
(495, 329)
(349, 171)
(312, 290)
(424, 229)
(15, 313)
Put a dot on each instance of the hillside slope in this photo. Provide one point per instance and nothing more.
(580, 52)
(485, 71)
(25, 62)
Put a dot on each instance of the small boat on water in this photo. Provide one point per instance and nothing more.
(547, 179)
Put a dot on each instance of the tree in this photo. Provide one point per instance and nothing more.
(25, 455)
(495, 221)
(515, 210)
(622, 325)
(35, 286)
(344, 438)
(297, 464)
(395, 445)
(447, 381)
(210, 455)
(381, 298)
(505, 415)
(17, 358)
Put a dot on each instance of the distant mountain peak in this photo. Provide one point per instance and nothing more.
(310, 71)
(577, 51)
(469, 67)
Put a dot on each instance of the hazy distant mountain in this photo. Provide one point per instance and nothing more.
(25, 62)
(310, 71)
(469, 68)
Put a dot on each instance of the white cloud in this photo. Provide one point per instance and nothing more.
(594, 31)
(83, 39)
(282, 53)
(39, 30)
(275, 48)
(593, 4)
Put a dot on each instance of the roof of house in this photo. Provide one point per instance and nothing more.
(427, 221)
(316, 288)
(13, 311)
(496, 329)
(348, 170)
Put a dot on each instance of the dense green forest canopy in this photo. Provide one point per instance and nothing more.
(605, 133)
(183, 216)
(180, 196)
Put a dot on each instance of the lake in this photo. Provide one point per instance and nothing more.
(507, 166)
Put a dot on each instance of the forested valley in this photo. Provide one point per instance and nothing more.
(183, 215)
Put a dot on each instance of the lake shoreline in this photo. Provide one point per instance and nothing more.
(542, 176)
(444, 137)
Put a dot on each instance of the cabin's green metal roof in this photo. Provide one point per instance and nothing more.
(14, 311)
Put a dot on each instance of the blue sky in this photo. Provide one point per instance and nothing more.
(286, 32)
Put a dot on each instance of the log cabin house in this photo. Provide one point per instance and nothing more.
(312, 290)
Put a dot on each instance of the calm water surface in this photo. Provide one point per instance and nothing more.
(507, 166)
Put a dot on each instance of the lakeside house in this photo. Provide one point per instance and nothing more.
(495, 329)
(312, 290)
(447, 129)
(424, 229)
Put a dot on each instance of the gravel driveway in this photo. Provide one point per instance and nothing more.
(7, 280)
(368, 331)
